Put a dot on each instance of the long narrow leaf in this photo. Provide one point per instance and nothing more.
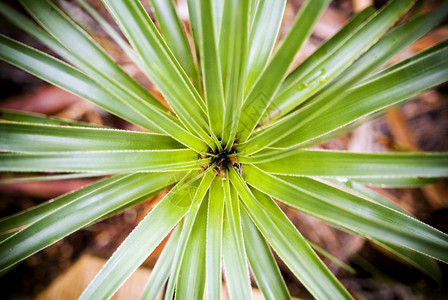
(161, 66)
(234, 45)
(139, 244)
(262, 262)
(161, 270)
(191, 280)
(371, 97)
(77, 213)
(298, 162)
(340, 59)
(40, 138)
(211, 69)
(36, 118)
(289, 244)
(213, 253)
(268, 83)
(174, 35)
(76, 82)
(234, 255)
(389, 45)
(263, 33)
(85, 50)
(183, 244)
(102, 161)
(351, 213)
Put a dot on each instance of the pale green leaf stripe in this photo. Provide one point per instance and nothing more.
(137, 101)
(187, 228)
(161, 66)
(210, 64)
(36, 118)
(76, 82)
(305, 125)
(161, 270)
(367, 193)
(65, 176)
(234, 48)
(78, 213)
(175, 38)
(39, 211)
(191, 280)
(262, 262)
(85, 50)
(269, 82)
(405, 63)
(234, 255)
(372, 96)
(299, 162)
(103, 161)
(385, 49)
(288, 243)
(66, 77)
(263, 34)
(142, 241)
(110, 31)
(327, 48)
(29, 27)
(416, 259)
(340, 59)
(44, 138)
(347, 211)
(213, 253)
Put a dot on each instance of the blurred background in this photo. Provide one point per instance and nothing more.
(62, 270)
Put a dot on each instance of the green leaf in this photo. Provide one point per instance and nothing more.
(215, 215)
(161, 270)
(305, 125)
(352, 213)
(397, 182)
(234, 255)
(263, 34)
(76, 82)
(233, 51)
(175, 38)
(327, 48)
(262, 262)
(103, 161)
(288, 243)
(350, 49)
(86, 51)
(299, 162)
(110, 31)
(17, 179)
(139, 244)
(72, 213)
(183, 246)
(44, 138)
(36, 118)
(385, 49)
(161, 66)
(66, 77)
(207, 43)
(24, 218)
(269, 81)
(191, 280)
(416, 259)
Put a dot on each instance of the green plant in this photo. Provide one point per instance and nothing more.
(233, 140)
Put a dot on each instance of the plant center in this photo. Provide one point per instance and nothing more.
(222, 161)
